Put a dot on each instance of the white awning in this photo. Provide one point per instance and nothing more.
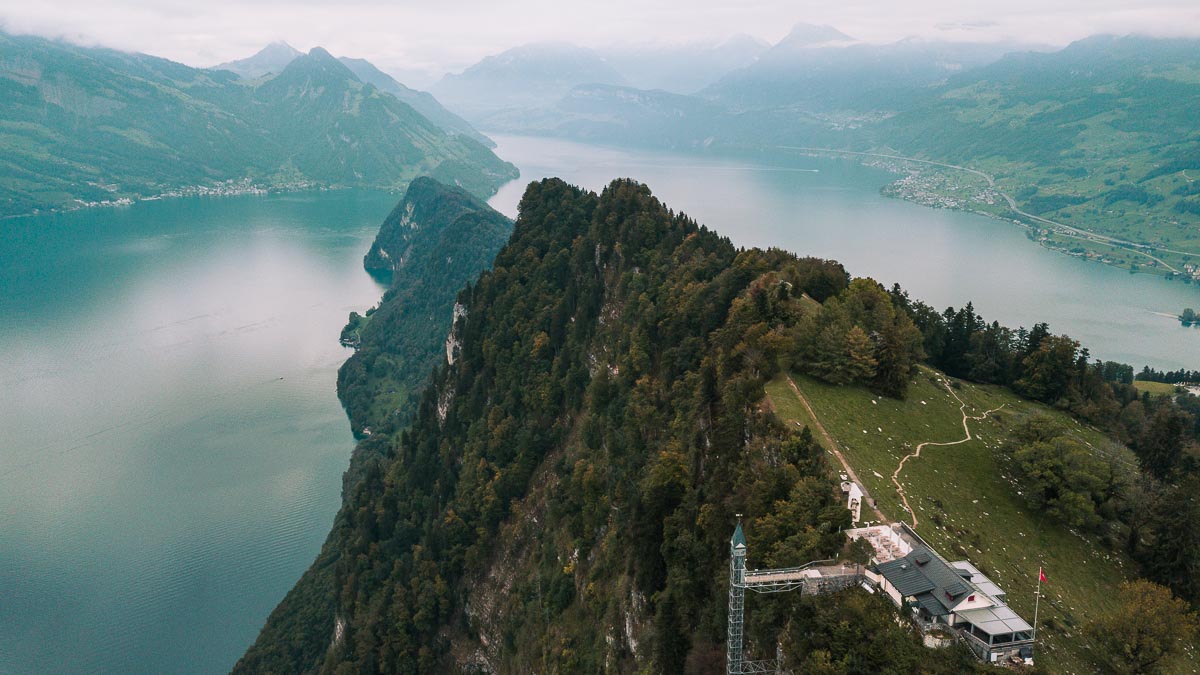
(995, 620)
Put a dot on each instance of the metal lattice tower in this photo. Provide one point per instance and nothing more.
(820, 576)
(737, 601)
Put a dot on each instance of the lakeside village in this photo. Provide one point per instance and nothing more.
(942, 190)
(947, 601)
(227, 188)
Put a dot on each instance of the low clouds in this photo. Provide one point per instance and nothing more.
(405, 36)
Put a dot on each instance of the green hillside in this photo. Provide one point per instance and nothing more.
(967, 501)
(1100, 136)
(437, 238)
(564, 496)
(81, 125)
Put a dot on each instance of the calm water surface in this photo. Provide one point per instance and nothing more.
(832, 209)
(171, 443)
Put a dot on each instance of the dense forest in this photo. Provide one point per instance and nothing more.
(563, 498)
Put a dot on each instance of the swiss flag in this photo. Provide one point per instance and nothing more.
(1041, 575)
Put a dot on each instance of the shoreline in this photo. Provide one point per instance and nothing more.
(924, 193)
(228, 189)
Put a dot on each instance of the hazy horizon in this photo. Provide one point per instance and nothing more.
(425, 42)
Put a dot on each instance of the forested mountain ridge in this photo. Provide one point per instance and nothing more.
(606, 385)
(563, 498)
(446, 237)
(83, 125)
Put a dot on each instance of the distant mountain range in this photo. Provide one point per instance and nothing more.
(530, 79)
(84, 125)
(819, 68)
(683, 69)
(530, 76)
(813, 70)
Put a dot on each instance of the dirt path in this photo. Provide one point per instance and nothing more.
(917, 453)
(833, 448)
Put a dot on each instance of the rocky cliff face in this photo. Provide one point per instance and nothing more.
(433, 221)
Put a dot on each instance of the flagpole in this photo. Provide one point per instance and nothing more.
(1036, 602)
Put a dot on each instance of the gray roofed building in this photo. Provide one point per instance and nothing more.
(924, 573)
(932, 607)
(906, 577)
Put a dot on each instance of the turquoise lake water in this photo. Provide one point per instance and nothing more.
(171, 443)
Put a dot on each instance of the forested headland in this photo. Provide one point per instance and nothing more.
(561, 498)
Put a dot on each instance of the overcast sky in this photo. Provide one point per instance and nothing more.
(441, 35)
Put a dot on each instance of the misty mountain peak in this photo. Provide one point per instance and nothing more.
(531, 75)
(320, 53)
(278, 49)
(271, 59)
(811, 35)
(312, 73)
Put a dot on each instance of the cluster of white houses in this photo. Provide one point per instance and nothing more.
(953, 595)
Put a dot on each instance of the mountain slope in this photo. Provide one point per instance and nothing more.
(97, 124)
(447, 238)
(272, 59)
(1100, 135)
(421, 101)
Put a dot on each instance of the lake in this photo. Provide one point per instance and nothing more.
(171, 443)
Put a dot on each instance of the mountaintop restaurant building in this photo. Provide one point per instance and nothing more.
(955, 595)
